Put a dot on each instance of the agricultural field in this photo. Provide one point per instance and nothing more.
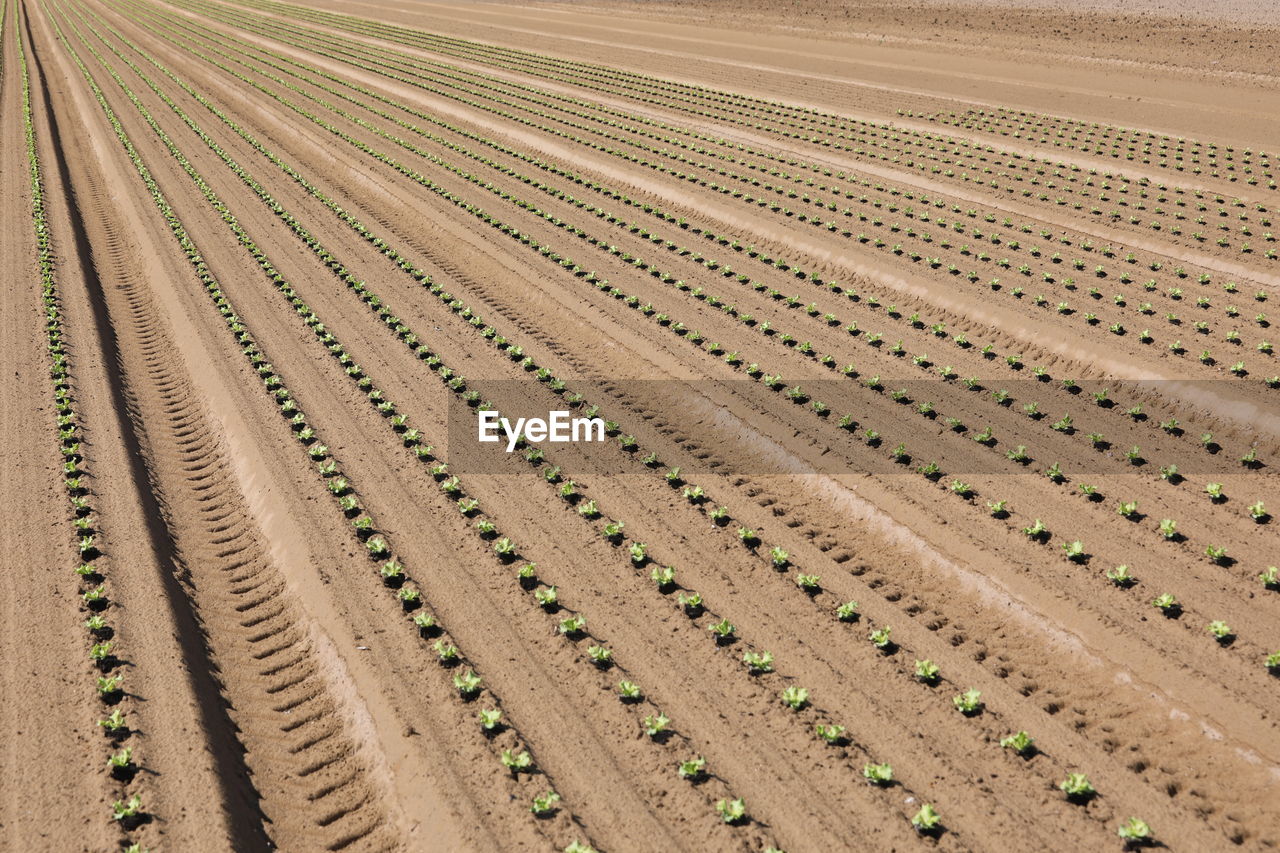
(936, 384)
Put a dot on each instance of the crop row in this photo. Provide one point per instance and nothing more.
(930, 253)
(913, 322)
(339, 485)
(1133, 145)
(104, 650)
(1055, 471)
(637, 552)
(573, 625)
(896, 141)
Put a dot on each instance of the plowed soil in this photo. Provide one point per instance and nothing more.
(934, 347)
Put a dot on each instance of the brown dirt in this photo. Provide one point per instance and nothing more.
(277, 692)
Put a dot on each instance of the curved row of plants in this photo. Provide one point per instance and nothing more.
(1178, 154)
(571, 624)
(120, 724)
(1011, 362)
(897, 141)
(612, 528)
(923, 251)
(932, 470)
(468, 684)
(797, 697)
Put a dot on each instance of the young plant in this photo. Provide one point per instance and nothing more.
(516, 761)
(723, 630)
(1169, 528)
(1020, 742)
(968, 702)
(127, 811)
(795, 697)
(831, 733)
(1074, 550)
(600, 655)
(1135, 832)
(926, 820)
(847, 612)
(1270, 577)
(664, 576)
(878, 774)
(629, 691)
(490, 719)
(546, 804)
(547, 597)
(692, 769)
(927, 671)
(880, 638)
(758, 662)
(732, 811)
(1077, 787)
(811, 584)
(468, 683)
(1167, 603)
(1221, 631)
(656, 724)
(1121, 576)
(573, 626)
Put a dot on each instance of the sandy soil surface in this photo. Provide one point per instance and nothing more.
(934, 346)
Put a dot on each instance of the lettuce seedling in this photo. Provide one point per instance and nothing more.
(1020, 742)
(573, 626)
(516, 761)
(732, 811)
(795, 697)
(847, 612)
(126, 811)
(723, 630)
(656, 724)
(880, 638)
(1121, 576)
(692, 603)
(468, 683)
(832, 734)
(1135, 832)
(1169, 528)
(115, 723)
(490, 719)
(446, 652)
(692, 769)
(1270, 577)
(1077, 787)
(546, 804)
(1221, 631)
(927, 671)
(878, 774)
(926, 820)
(811, 584)
(664, 577)
(629, 691)
(758, 662)
(968, 702)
